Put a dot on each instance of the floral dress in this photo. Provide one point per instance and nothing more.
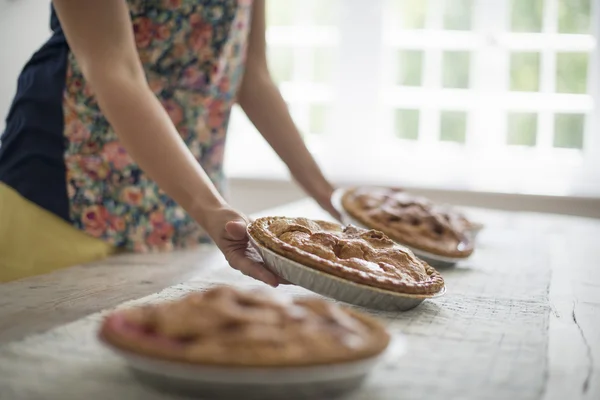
(60, 152)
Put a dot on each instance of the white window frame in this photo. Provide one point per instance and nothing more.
(359, 145)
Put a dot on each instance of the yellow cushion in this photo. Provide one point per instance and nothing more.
(34, 241)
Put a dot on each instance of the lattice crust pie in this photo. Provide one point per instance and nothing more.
(228, 327)
(366, 257)
(411, 220)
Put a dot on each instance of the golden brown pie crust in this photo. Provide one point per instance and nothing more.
(366, 257)
(232, 328)
(411, 220)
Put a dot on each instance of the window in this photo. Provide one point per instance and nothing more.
(474, 94)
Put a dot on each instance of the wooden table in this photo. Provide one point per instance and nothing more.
(526, 307)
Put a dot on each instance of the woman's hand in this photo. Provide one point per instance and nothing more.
(227, 228)
(323, 198)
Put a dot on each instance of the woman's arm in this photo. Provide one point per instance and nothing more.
(100, 35)
(261, 100)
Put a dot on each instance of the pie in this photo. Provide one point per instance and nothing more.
(411, 220)
(362, 256)
(227, 327)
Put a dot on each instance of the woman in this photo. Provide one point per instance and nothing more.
(116, 135)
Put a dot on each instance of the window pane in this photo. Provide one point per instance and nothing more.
(457, 14)
(323, 64)
(571, 72)
(407, 124)
(319, 115)
(456, 69)
(280, 13)
(525, 72)
(522, 129)
(574, 16)
(407, 14)
(568, 130)
(281, 63)
(410, 67)
(526, 15)
(323, 12)
(453, 126)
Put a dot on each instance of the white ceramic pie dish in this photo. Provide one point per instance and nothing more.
(294, 383)
(337, 288)
(432, 259)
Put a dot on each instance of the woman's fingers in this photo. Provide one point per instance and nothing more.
(248, 266)
(243, 257)
(236, 229)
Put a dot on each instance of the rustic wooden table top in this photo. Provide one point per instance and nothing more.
(521, 317)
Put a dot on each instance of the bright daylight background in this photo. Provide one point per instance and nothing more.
(468, 95)
(486, 95)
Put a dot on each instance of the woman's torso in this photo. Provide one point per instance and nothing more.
(59, 151)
